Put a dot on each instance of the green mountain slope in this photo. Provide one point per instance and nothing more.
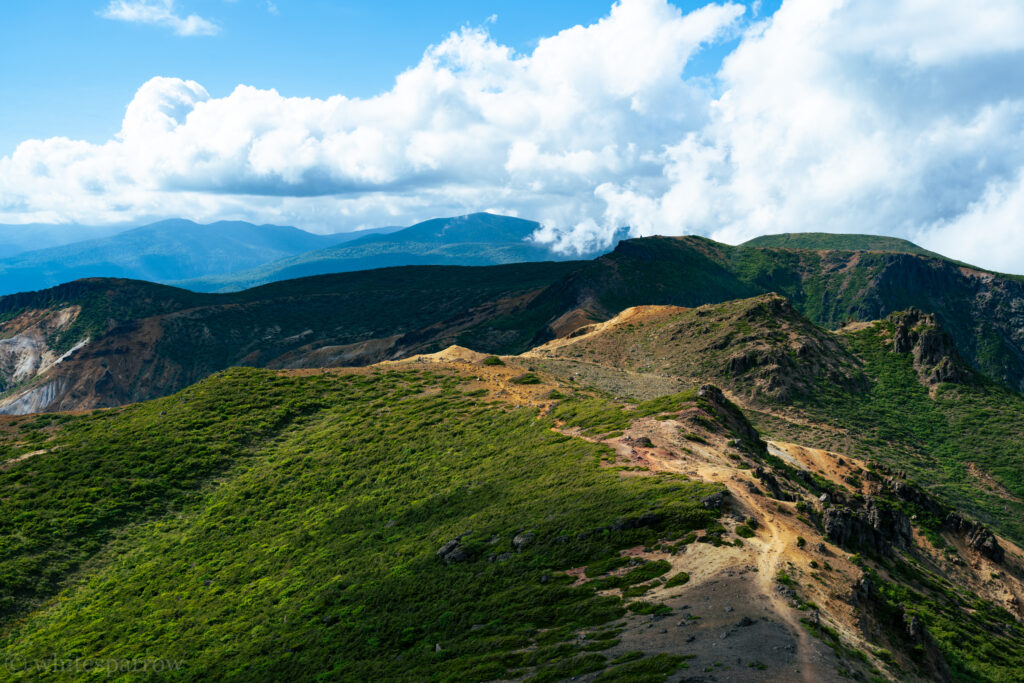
(287, 527)
(148, 338)
(827, 241)
(982, 311)
(473, 240)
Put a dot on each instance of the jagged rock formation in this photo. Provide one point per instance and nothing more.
(977, 537)
(873, 526)
(775, 490)
(732, 418)
(935, 355)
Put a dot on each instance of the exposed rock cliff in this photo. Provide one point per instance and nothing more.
(935, 355)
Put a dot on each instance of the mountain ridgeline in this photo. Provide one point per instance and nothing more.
(101, 342)
(161, 252)
(234, 255)
(477, 239)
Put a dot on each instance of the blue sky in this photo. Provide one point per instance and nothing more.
(60, 53)
(726, 119)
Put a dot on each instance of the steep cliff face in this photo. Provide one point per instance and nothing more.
(26, 349)
(983, 313)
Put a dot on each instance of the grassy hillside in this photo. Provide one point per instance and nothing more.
(828, 241)
(265, 527)
(760, 348)
(831, 288)
(400, 523)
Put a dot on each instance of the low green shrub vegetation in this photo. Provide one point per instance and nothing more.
(978, 639)
(744, 531)
(679, 579)
(263, 527)
(648, 670)
(897, 422)
(599, 416)
(644, 607)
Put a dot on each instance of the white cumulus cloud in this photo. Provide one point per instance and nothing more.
(901, 117)
(160, 13)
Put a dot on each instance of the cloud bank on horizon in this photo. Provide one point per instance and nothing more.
(901, 117)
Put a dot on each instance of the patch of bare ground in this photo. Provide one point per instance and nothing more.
(21, 458)
(854, 326)
(989, 483)
(733, 616)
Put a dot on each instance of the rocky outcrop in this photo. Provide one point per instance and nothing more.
(714, 501)
(770, 482)
(936, 359)
(874, 527)
(911, 494)
(976, 535)
(783, 366)
(747, 437)
(522, 540)
(453, 551)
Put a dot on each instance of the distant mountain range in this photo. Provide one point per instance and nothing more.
(234, 255)
(166, 251)
(229, 256)
(479, 239)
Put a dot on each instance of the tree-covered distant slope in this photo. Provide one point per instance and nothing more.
(838, 241)
(161, 252)
(477, 239)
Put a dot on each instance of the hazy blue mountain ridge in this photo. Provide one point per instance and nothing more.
(165, 251)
